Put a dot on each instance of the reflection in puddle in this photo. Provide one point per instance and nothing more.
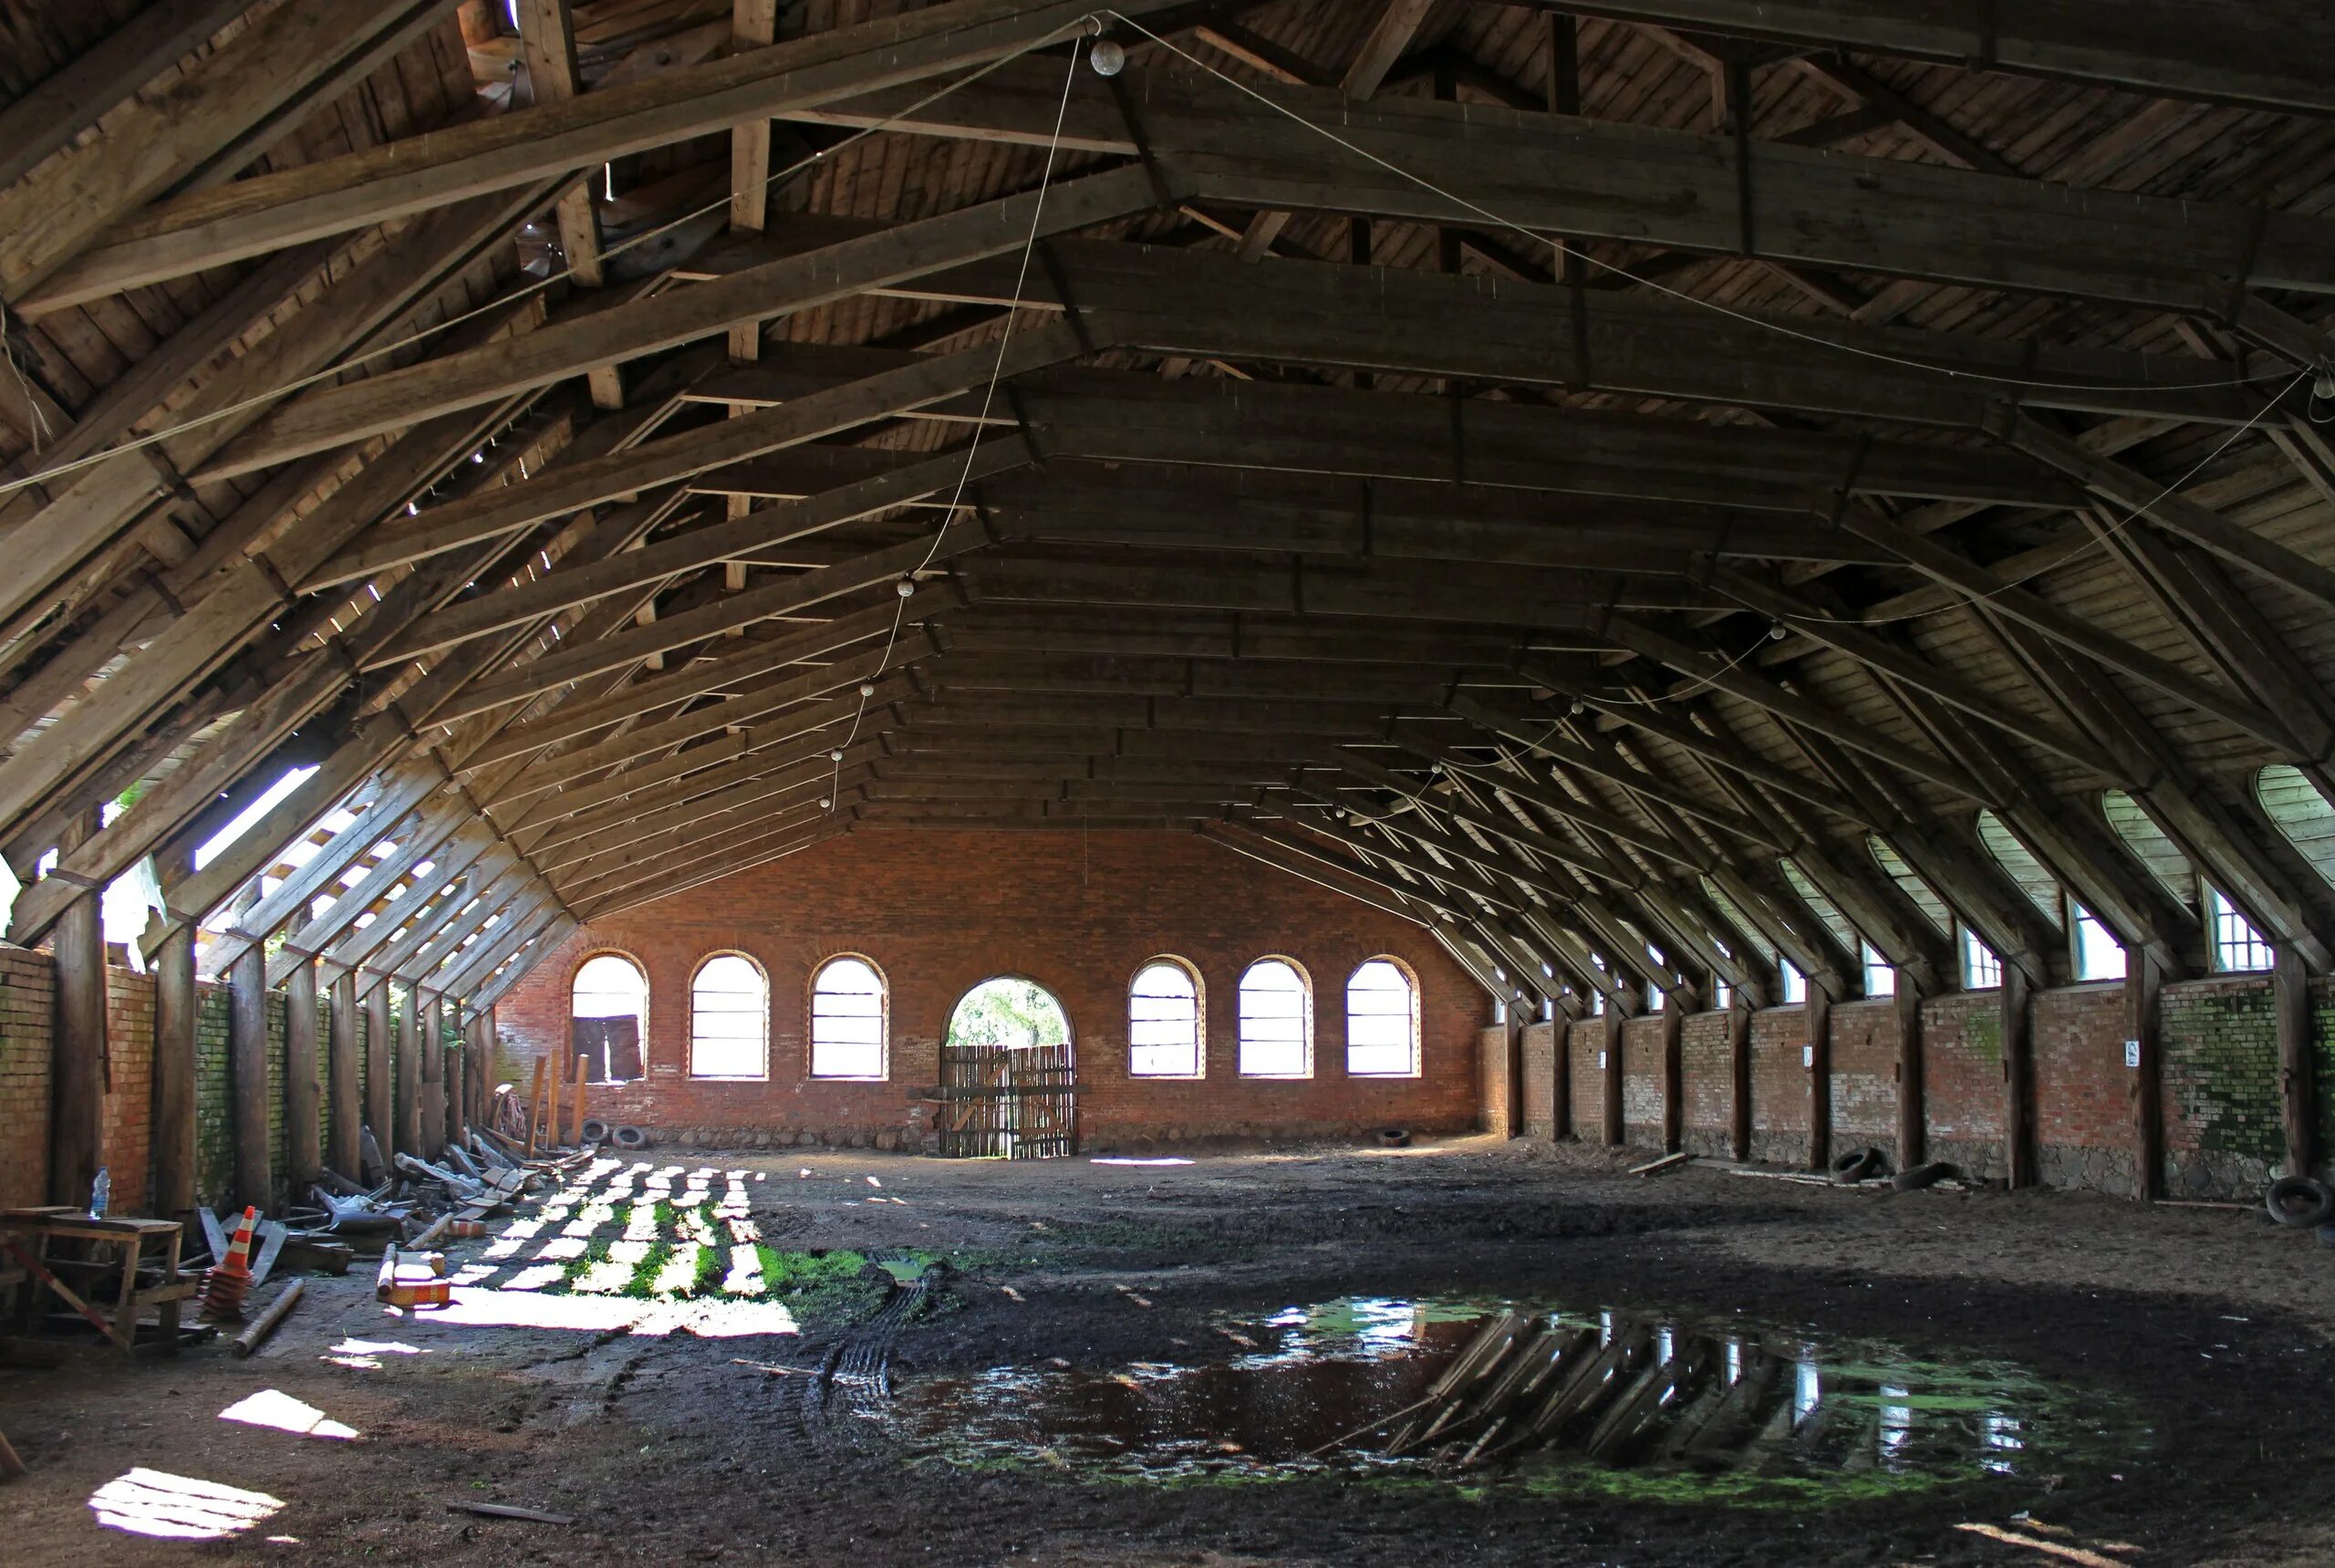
(1549, 1400)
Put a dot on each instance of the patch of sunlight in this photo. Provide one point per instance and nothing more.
(1124, 1159)
(604, 1279)
(563, 1248)
(366, 1354)
(178, 1507)
(680, 1272)
(745, 1276)
(475, 1274)
(641, 1224)
(743, 1230)
(590, 1219)
(707, 1319)
(542, 1276)
(273, 1408)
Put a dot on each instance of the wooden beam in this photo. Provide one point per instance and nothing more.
(2144, 1064)
(345, 1053)
(302, 1097)
(54, 112)
(151, 143)
(1738, 1057)
(248, 1093)
(547, 45)
(2018, 1026)
(1817, 1014)
(2297, 1102)
(2254, 56)
(210, 228)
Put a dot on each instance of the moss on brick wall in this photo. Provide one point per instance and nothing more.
(2221, 1069)
(214, 1148)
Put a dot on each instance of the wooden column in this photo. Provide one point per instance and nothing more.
(1512, 1106)
(1738, 1065)
(557, 1061)
(2144, 1064)
(2290, 985)
(303, 1093)
(433, 1077)
(1817, 1057)
(1617, 1012)
(1561, 1070)
(77, 1067)
(409, 1121)
(341, 1049)
(2018, 1078)
(248, 1102)
(381, 1075)
(176, 1006)
(1912, 1110)
(1673, 1079)
(459, 1073)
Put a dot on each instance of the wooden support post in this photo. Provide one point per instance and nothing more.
(1817, 1057)
(1913, 1111)
(1513, 1098)
(78, 1043)
(535, 1107)
(2144, 1064)
(2290, 985)
(303, 1096)
(2018, 1079)
(341, 1050)
(551, 1105)
(380, 1101)
(175, 1007)
(408, 1122)
(460, 1071)
(1674, 1080)
(1561, 1091)
(583, 1071)
(248, 1054)
(1739, 1064)
(1616, 1016)
(433, 1080)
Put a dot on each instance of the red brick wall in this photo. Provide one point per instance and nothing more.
(1078, 913)
(1642, 1082)
(1708, 1075)
(2084, 1118)
(129, 1100)
(1539, 1079)
(1864, 1075)
(1780, 1085)
(1585, 1039)
(27, 1003)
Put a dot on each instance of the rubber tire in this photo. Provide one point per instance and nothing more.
(1393, 1138)
(1853, 1166)
(630, 1137)
(2299, 1201)
(1921, 1176)
(596, 1131)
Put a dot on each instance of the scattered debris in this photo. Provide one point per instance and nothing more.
(1667, 1162)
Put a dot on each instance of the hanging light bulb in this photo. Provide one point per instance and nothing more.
(1578, 708)
(1776, 632)
(826, 804)
(835, 755)
(1107, 58)
(866, 689)
(907, 586)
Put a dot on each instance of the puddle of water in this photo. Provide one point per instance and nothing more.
(1629, 1405)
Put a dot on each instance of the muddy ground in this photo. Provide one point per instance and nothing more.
(2219, 1328)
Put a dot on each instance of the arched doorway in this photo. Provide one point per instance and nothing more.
(1008, 1075)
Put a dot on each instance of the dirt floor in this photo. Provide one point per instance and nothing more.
(2216, 1328)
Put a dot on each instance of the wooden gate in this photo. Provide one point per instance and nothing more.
(1000, 1102)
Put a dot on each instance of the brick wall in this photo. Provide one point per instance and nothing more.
(1962, 1080)
(1864, 1075)
(130, 1092)
(1642, 1082)
(1491, 1075)
(2083, 1117)
(2223, 1124)
(1078, 913)
(1780, 1085)
(1540, 1079)
(1707, 1075)
(1585, 1043)
(27, 1003)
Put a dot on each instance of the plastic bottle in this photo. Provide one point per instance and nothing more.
(101, 1193)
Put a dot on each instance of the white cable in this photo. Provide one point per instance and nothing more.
(504, 301)
(1557, 246)
(973, 448)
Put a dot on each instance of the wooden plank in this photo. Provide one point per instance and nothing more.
(54, 112)
(48, 217)
(209, 228)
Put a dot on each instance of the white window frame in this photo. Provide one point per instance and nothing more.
(1241, 1035)
(883, 1015)
(698, 1042)
(1411, 989)
(1199, 1068)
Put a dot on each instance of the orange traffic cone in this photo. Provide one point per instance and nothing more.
(224, 1288)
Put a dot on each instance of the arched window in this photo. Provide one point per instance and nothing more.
(1163, 1021)
(608, 1016)
(1276, 1021)
(1382, 1022)
(2018, 863)
(1918, 892)
(728, 1019)
(2293, 802)
(847, 1020)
